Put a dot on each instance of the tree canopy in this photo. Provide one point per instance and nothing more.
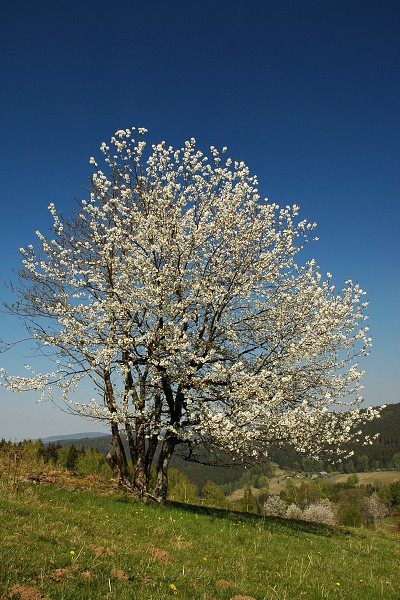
(178, 292)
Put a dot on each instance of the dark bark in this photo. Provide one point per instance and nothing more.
(167, 450)
(153, 441)
(118, 457)
(175, 406)
(137, 452)
(139, 460)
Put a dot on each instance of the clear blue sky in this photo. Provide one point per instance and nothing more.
(307, 93)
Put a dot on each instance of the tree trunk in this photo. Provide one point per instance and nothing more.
(167, 450)
(119, 456)
(140, 479)
(153, 440)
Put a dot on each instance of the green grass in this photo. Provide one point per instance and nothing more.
(81, 544)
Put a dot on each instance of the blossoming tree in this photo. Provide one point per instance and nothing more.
(177, 291)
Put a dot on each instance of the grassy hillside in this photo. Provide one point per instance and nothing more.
(88, 542)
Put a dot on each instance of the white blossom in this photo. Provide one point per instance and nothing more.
(274, 506)
(180, 294)
(320, 512)
(294, 512)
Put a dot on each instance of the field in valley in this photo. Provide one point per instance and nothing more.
(278, 483)
(374, 478)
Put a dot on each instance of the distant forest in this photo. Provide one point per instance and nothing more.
(384, 453)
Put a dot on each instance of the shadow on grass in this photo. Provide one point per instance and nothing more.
(268, 523)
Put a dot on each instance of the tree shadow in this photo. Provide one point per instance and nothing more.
(267, 522)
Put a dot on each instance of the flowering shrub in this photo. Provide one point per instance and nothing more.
(320, 512)
(274, 506)
(294, 512)
(375, 508)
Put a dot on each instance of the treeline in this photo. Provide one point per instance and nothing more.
(81, 461)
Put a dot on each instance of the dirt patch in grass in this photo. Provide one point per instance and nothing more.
(100, 551)
(64, 573)
(60, 575)
(23, 592)
(119, 574)
(160, 555)
(87, 574)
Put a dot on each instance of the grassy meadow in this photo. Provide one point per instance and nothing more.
(79, 539)
(374, 478)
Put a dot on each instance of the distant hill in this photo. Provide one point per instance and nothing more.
(388, 425)
(74, 436)
(388, 442)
